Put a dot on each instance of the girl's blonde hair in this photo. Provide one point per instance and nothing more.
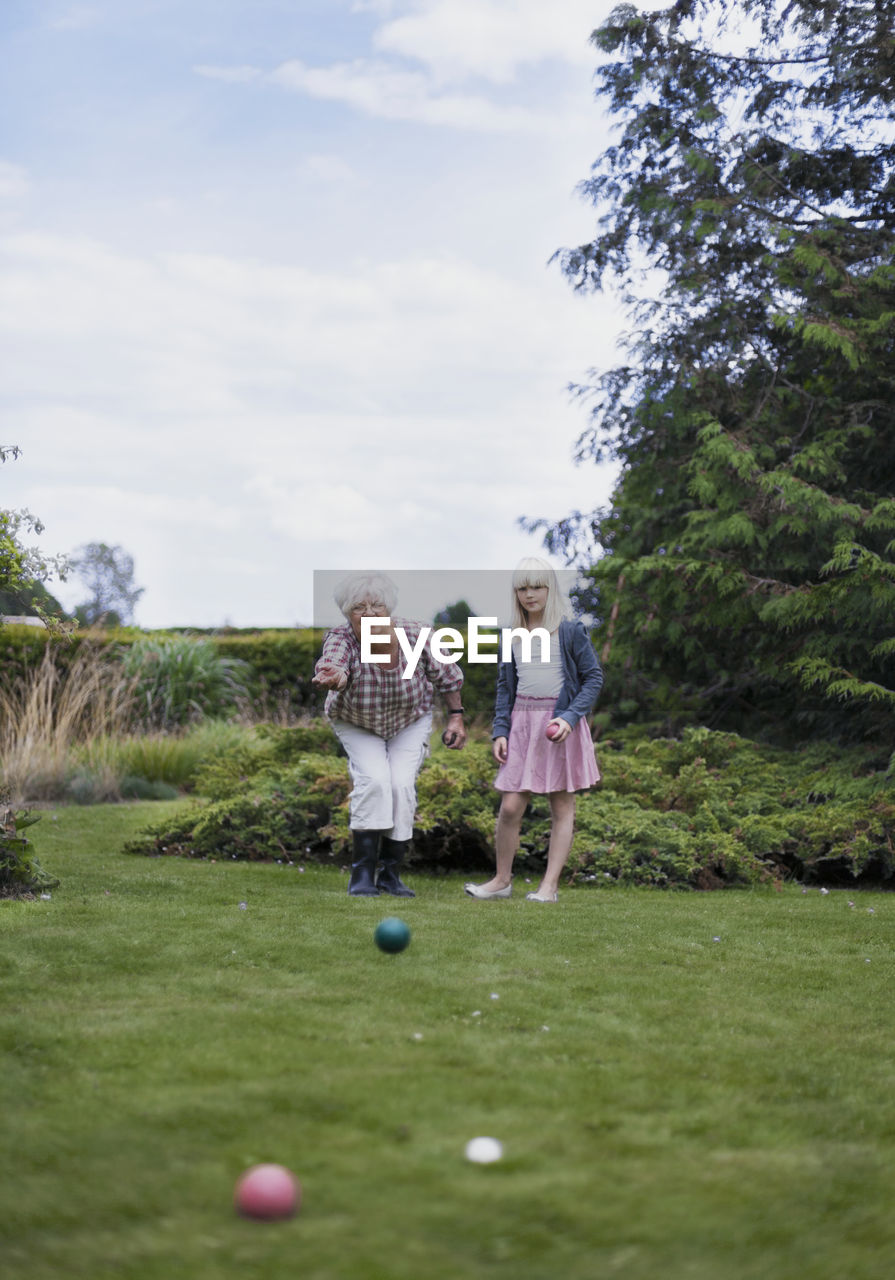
(532, 572)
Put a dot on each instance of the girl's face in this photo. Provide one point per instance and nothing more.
(532, 599)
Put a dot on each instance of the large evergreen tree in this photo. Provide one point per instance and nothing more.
(747, 212)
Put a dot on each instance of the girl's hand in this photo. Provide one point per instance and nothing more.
(499, 750)
(563, 729)
(330, 676)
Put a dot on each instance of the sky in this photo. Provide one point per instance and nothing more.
(276, 293)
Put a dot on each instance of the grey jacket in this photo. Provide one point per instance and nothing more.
(582, 680)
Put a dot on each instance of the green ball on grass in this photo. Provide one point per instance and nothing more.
(392, 934)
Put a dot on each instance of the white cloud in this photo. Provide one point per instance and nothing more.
(75, 19)
(493, 39)
(428, 53)
(407, 410)
(327, 169)
(231, 75)
(247, 348)
(383, 89)
(188, 334)
(14, 181)
(349, 514)
(382, 8)
(174, 539)
(126, 507)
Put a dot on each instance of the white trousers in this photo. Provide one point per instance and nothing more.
(384, 772)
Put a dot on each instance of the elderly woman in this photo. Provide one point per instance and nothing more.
(383, 721)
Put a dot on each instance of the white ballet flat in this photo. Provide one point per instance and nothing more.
(536, 897)
(475, 891)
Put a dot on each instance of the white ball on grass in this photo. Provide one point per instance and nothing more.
(483, 1150)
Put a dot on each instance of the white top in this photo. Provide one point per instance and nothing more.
(538, 679)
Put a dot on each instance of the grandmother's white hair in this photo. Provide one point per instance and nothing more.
(532, 572)
(377, 588)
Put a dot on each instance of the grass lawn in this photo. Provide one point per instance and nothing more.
(686, 1085)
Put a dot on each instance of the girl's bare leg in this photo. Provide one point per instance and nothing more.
(506, 837)
(562, 810)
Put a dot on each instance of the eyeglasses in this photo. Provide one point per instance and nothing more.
(368, 608)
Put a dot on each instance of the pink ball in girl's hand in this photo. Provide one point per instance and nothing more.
(267, 1191)
(552, 730)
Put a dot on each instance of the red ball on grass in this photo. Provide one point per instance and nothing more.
(267, 1192)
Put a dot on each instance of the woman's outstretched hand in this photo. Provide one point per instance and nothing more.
(330, 676)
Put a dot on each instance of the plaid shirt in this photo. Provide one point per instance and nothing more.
(377, 698)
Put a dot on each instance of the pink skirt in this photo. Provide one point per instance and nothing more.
(534, 763)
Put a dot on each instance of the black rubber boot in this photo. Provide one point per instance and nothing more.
(363, 869)
(392, 856)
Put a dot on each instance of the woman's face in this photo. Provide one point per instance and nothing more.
(532, 599)
(365, 609)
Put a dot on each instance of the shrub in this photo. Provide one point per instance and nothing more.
(22, 649)
(50, 711)
(266, 749)
(66, 732)
(281, 814)
(136, 787)
(705, 810)
(274, 667)
(709, 809)
(97, 785)
(178, 680)
(20, 872)
(456, 809)
(148, 766)
(283, 794)
(279, 666)
(176, 758)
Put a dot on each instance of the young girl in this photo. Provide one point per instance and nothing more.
(531, 695)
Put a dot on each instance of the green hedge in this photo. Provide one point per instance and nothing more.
(23, 648)
(706, 810)
(280, 663)
(283, 663)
